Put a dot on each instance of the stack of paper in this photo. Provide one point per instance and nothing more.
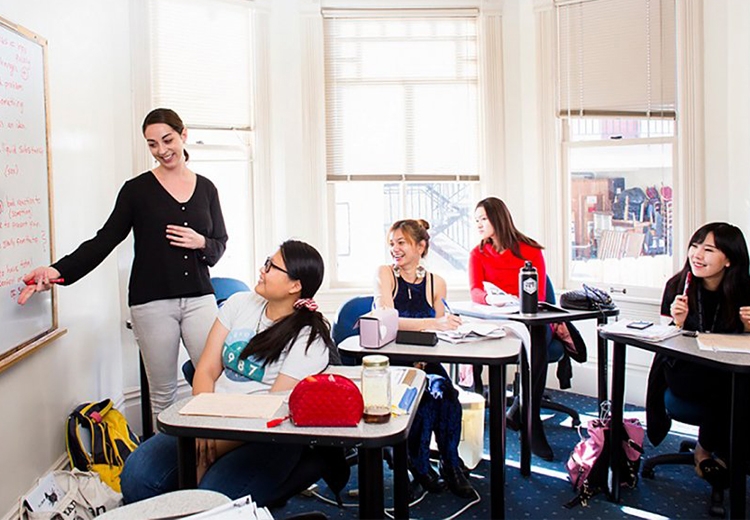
(736, 343)
(244, 508)
(477, 310)
(472, 331)
(654, 333)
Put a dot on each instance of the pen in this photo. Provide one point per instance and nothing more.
(52, 280)
(447, 308)
(688, 279)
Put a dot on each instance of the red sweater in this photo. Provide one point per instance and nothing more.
(501, 269)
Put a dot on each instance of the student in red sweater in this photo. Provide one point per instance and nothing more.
(501, 253)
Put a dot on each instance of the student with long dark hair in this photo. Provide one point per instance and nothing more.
(418, 296)
(502, 252)
(178, 233)
(263, 341)
(710, 294)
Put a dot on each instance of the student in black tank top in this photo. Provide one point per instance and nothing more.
(418, 297)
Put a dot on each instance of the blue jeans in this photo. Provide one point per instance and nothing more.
(255, 468)
(441, 415)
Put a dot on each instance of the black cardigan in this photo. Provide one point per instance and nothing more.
(657, 417)
(160, 271)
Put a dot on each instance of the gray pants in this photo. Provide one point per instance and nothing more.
(158, 328)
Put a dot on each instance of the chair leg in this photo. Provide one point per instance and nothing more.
(717, 504)
(551, 405)
(669, 458)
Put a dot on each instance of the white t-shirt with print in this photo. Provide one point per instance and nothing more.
(244, 315)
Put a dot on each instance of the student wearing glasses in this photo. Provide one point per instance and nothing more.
(178, 231)
(710, 294)
(418, 297)
(262, 341)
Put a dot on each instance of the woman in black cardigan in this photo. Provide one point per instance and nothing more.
(710, 294)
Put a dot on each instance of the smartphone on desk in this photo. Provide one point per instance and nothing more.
(639, 325)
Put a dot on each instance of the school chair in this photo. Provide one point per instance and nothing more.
(689, 413)
(555, 354)
(346, 319)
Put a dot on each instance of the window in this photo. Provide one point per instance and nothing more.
(402, 125)
(616, 99)
(200, 48)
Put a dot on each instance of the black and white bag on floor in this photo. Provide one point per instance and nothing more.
(68, 495)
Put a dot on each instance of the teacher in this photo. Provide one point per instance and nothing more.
(178, 231)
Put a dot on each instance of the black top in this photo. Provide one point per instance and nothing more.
(160, 270)
(705, 314)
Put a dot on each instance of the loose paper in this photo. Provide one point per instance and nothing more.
(262, 406)
(738, 343)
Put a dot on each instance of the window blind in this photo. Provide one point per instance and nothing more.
(616, 58)
(401, 94)
(201, 61)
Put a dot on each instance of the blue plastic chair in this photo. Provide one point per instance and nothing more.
(348, 315)
(555, 353)
(689, 413)
(226, 287)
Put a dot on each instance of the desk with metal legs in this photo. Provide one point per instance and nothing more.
(537, 324)
(737, 367)
(368, 438)
(497, 353)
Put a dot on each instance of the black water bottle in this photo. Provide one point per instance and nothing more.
(528, 286)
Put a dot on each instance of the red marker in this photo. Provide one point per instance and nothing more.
(53, 280)
(688, 279)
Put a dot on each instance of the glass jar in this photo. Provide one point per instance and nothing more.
(376, 388)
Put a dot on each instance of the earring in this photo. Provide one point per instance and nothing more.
(421, 271)
(397, 271)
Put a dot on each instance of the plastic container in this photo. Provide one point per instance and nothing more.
(376, 388)
(471, 447)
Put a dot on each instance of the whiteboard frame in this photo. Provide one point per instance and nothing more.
(29, 346)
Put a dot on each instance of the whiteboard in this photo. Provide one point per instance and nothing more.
(25, 195)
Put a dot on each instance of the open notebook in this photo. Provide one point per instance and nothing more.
(472, 330)
(654, 333)
(736, 343)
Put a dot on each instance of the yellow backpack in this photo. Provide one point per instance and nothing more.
(99, 439)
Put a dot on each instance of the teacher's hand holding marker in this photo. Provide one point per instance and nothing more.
(178, 232)
(40, 279)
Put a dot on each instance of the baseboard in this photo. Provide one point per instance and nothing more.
(60, 463)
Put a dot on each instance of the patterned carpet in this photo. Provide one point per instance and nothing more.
(675, 492)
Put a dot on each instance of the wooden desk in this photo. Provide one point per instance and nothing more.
(681, 347)
(497, 353)
(368, 438)
(537, 324)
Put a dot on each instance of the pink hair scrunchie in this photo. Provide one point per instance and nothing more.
(307, 303)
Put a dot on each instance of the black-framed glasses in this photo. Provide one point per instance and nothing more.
(269, 264)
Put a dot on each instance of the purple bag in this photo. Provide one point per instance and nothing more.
(588, 463)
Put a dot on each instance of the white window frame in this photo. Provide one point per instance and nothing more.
(689, 166)
(366, 282)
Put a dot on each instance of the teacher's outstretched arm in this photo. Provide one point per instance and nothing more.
(40, 279)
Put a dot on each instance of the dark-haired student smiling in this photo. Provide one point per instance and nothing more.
(710, 294)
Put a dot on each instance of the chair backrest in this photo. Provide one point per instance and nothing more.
(550, 292)
(226, 287)
(348, 315)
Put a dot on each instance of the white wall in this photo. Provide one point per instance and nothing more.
(91, 150)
